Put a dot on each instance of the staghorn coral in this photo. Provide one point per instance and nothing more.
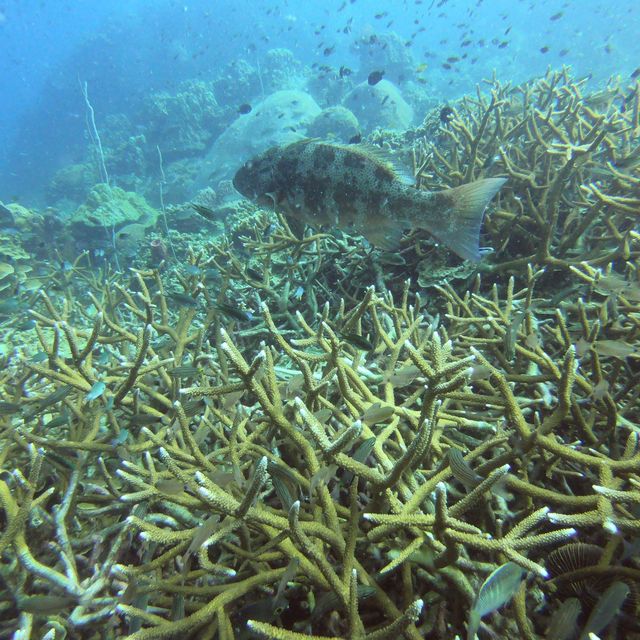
(573, 196)
(350, 462)
(305, 449)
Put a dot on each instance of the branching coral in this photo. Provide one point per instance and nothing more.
(227, 498)
(349, 462)
(572, 194)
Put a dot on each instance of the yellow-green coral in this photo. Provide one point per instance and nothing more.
(290, 474)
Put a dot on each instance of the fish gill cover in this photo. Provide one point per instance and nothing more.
(297, 410)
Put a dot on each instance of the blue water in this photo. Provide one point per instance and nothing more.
(126, 49)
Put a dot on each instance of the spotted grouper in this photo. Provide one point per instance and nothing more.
(352, 187)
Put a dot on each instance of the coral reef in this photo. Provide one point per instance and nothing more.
(281, 70)
(108, 209)
(184, 123)
(290, 434)
(238, 82)
(334, 123)
(71, 184)
(385, 52)
(12, 247)
(129, 238)
(130, 163)
(381, 105)
(279, 119)
(25, 233)
(572, 197)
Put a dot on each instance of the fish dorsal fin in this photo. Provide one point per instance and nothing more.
(303, 141)
(385, 158)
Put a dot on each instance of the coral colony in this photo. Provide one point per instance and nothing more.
(290, 433)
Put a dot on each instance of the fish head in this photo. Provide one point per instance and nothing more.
(257, 178)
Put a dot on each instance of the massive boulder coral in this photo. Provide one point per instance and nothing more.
(334, 123)
(71, 184)
(384, 52)
(237, 82)
(380, 105)
(25, 232)
(279, 119)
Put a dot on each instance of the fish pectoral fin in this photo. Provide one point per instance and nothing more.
(384, 236)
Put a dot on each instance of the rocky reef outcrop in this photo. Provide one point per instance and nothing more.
(106, 212)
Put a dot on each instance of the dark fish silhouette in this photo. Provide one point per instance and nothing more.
(375, 77)
(352, 187)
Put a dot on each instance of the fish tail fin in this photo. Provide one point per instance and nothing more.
(463, 212)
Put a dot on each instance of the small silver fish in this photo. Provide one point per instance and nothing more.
(96, 391)
(496, 590)
(53, 398)
(462, 470)
(43, 605)
(170, 486)
(8, 408)
(616, 349)
(404, 376)
(563, 623)
(206, 530)
(322, 415)
(376, 413)
(184, 371)
(322, 476)
(605, 609)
